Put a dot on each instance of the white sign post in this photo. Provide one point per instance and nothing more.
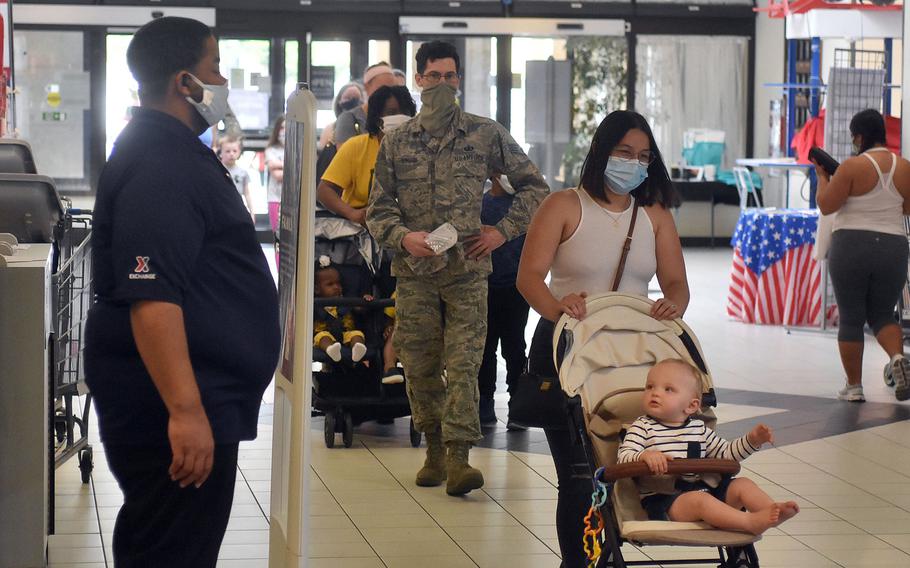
(293, 381)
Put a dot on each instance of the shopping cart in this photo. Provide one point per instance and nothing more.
(72, 298)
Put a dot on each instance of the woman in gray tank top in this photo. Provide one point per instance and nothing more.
(576, 236)
(868, 257)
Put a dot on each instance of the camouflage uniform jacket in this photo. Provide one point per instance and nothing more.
(422, 182)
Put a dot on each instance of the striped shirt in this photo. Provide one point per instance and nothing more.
(646, 433)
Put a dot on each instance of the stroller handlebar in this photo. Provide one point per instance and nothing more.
(674, 467)
(351, 302)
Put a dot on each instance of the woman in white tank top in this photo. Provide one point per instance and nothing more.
(577, 236)
(868, 257)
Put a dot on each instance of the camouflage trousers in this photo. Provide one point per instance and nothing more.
(442, 325)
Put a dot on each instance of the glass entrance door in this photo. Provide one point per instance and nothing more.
(245, 63)
(329, 59)
(54, 103)
(562, 89)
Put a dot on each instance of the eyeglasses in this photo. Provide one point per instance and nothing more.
(435, 77)
(644, 158)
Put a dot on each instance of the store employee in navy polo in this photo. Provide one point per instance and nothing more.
(184, 336)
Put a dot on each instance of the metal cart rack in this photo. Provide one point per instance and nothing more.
(72, 298)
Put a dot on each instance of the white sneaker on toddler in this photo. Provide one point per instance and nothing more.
(334, 351)
(358, 351)
(851, 393)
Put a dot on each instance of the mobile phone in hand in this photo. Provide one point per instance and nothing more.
(823, 159)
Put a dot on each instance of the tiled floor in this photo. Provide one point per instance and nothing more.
(847, 466)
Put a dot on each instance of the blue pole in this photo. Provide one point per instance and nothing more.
(791, 94)
(814, 97)
(814, 79)
(889, 63)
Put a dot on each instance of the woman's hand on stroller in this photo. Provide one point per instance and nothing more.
(664, 309)
(574, 305)
(760, 435)
(657, 461)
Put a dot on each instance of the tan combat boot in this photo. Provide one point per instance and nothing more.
(433, 472)
(462, 477)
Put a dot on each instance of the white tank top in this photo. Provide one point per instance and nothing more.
(880, 210)
(588, 259)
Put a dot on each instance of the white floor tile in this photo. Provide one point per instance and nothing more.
(367, 513)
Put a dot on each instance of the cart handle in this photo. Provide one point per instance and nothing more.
(351, 302)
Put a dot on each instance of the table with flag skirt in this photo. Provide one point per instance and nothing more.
(775, 280)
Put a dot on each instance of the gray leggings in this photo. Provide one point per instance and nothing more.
(868, 270)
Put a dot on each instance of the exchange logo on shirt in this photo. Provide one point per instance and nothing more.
(142, 271)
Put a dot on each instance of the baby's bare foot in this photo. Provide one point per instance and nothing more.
(760, 521)
(788, 510)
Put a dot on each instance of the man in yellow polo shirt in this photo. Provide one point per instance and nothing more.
(345, 185)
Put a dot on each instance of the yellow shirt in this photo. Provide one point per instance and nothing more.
(352, 169)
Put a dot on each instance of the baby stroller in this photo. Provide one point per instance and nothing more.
(346, 394)
(603, 362)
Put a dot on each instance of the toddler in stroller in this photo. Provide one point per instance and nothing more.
(333, 322)
(672, 395)
(605, 362)
(356, 387)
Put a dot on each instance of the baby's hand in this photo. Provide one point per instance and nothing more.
(657, 461)
(760, 435)
(368, 297)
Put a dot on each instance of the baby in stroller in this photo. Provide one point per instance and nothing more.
(672, 396)
(332, 322)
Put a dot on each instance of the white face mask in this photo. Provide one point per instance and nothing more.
(390, 123)
(214, 104)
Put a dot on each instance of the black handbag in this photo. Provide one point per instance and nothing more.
(540, 402)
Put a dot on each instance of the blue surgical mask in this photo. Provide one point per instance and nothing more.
(623, 175)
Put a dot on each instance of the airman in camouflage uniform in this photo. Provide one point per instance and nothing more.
(421, 182)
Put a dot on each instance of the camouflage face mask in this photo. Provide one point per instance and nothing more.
(438, 108)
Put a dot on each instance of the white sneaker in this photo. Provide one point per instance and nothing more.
(900, 371)
(334, 351)
(393, 377)
(358, 351)
(851, 393)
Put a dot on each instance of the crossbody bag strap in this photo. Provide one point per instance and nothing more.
(625, 249)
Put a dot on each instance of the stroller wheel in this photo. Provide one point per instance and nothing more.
(415, 435)
(886, 374)
(60, 429)
(86, 464)
(347, 436)
(740, 557)
(330, 429)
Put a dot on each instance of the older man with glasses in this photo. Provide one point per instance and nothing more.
(430, 173)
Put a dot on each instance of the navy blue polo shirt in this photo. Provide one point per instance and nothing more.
(170, 226)
(505, 258)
